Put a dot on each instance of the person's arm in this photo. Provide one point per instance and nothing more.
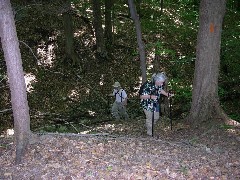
(125, 102)
(112, 94)
(146, 96)
(124, 96)
(166, 94)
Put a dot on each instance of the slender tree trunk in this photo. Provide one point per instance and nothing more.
(161, 5)
(68, 33)
(16, 78)
(108, 22)
(141, 46)
(157, 62)
(205, 101)
(97, 23)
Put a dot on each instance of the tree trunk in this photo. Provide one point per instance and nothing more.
(161, 5)
(68, 33)
(108, 22)
(141, 46)
(13, 60)
(97, 23)
(205, 101)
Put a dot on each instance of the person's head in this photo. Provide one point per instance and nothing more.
(116, 85)
(159, 78)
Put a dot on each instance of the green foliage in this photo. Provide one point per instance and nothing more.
(235, 117)
(183, 93)
(226, 126)
(56, 128)
(62, 129)
(184, 169)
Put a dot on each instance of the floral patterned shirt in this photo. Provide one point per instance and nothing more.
(150, 104)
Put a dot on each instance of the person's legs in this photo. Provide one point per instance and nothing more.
(156, 117)
(149, 120)
(123, 111)
(115, 112)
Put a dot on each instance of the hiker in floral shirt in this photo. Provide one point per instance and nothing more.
(150, 94)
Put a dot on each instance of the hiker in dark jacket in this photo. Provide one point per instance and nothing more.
(119, 106)
(150, 96)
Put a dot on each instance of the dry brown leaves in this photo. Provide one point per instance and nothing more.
(171, 155)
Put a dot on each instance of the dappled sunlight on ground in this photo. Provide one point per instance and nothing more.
(122, 150)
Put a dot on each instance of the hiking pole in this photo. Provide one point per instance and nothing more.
(153, 118)
(170, 108)
(154, 107)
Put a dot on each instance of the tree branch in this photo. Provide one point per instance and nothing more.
(5, 110)
(30, 50)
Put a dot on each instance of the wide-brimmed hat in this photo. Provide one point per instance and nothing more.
(116, 84)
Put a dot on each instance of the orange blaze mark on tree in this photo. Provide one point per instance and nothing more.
(211, 27)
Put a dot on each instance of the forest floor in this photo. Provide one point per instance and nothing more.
(122, 150)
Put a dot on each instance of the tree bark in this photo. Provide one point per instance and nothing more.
(141, 46)
(68, 33)
(205, 101)
(108, 22)
(13, 60)
(97, 23)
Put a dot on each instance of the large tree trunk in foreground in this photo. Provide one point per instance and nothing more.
(205, 101)
(141, 46)
(16, 78)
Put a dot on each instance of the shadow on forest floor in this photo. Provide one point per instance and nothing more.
(122, 150)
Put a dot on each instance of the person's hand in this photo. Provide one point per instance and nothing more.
(124, 103)
(171, 93)
(110, 94)
(153, 97)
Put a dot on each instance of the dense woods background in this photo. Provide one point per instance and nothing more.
(74, 51)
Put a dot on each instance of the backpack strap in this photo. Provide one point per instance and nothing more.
(119, 94)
